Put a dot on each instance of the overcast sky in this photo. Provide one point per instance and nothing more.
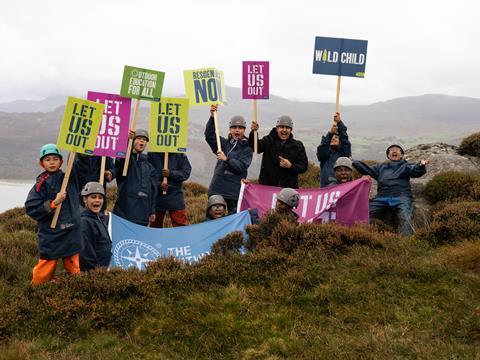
(69, 47)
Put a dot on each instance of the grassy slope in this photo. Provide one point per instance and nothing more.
(403, 299)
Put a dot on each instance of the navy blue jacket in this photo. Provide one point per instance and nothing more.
(136, 192)
(272, 147)
(393, 177)
(227, 175)
(97, 245)
(327, 156)
(180, 170)
(66, 239)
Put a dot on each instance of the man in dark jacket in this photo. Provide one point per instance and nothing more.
(284, 158)
(233, 159)
(334, 144)
(136, 192)
(97, 245)
(170, 195)
(394, 190)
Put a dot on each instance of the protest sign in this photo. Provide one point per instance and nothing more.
(135, 245)
(169, 125)
(80, 125)
(255, 80)
(341, 57)
(138, 83)
(112, 136)
(346, 203)
(205, 87)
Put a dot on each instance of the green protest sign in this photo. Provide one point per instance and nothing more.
(145, 84)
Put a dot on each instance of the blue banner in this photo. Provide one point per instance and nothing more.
(136, 245)
(342, 57)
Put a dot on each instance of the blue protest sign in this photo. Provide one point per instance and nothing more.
(342, 57)
(135, 245)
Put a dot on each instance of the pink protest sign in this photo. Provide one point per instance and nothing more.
(112, 137)
(346, 203)
(255, 80)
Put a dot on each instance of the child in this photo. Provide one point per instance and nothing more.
(287, 199)
(136, 192)
(97, 245)
(64, 241)
(216, 207)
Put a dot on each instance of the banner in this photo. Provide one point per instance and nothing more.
(342, 57)
(346, 203)
(112, 138)
(135, 245)
(169, 125)
(256, 76)
(205, 87)
(138, 83)
(80, 125)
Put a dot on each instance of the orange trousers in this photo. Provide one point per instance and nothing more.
(45, 269)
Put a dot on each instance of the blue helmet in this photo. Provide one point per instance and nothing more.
(49, 149)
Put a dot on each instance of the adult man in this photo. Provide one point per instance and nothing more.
(284, 158)
(334, 144)
(342, 171)
(394, 190)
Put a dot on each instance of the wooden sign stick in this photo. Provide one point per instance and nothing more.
(71, 158)
(102, 170)
(130, 141)
(217, 131)
(255, 133)
(165, 166)
(337, 101)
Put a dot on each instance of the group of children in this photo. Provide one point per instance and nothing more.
(81, 238)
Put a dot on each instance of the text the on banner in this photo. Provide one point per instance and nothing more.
(145, 84)
(205, 87)
(169, 125)
(255, 80)
(112, 137)
(80, 125)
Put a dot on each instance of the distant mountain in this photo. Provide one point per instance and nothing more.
(409, 120)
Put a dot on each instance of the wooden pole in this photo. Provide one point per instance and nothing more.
(130, 141)
(255, 133)
(217, 131)
(71, 158)
(337, 102)
(102, 170)
(165, 166)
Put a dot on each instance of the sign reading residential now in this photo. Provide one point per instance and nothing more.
(342, 57)
(205, 87)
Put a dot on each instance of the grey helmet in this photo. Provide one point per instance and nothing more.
(216, 200)
(343, 161)
(289, 197)
(285, 120)
(93, 187)
(142, 133)
(238, 121)
(393, 145)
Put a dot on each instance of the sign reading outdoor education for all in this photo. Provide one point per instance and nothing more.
(169, 125)
(342, 57)
(80, 125)
(143, 84)
(205, 87)
(255, 80)
(112, 138)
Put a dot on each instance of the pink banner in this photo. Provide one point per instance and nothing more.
(255, 80)
(346, 203)
(112, 137)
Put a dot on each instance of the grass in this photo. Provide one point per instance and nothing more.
(350, 295)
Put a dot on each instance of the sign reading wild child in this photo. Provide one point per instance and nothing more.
(255, 80)
(138, 83)
(205, 86)
(80, 125)
(169, 125)
(112, 139)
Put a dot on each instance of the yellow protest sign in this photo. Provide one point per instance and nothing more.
(80, 125)
(169, 125)
(205, 87)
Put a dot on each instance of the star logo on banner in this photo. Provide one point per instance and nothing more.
(130, 252)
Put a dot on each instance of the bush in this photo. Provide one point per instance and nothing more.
(453, 186)
(16, 219)
(310, 178)
(228, 245)
(453, 223)
(470, 145)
